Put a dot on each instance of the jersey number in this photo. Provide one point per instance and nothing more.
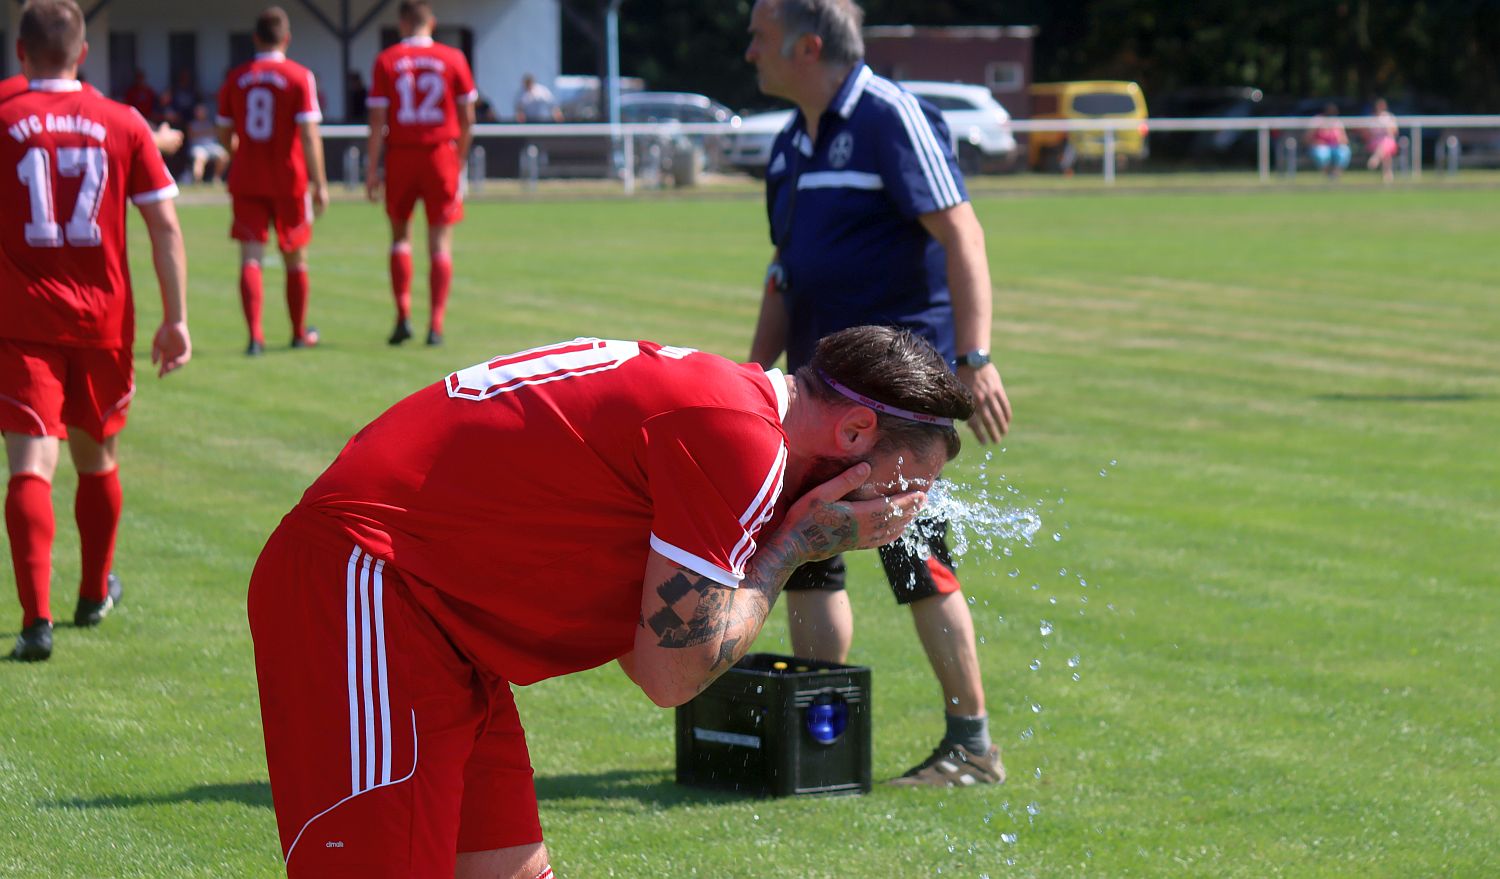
(36, 175)
(260, 113)
(432, 87)
(538, 366)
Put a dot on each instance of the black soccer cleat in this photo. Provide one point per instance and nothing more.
(255, 348)
(92, 613)
(401, 333)
(308, 339)
(34, 644)
(434, 338)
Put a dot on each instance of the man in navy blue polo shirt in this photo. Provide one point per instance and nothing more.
(872, 225)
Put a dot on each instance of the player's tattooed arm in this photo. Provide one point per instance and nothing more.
(693, 629)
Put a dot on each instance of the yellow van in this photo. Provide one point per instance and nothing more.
(1097, 99)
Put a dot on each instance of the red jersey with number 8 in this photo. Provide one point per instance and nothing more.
(265, 101)
(71, 159)
(521, 497)
(422, 83)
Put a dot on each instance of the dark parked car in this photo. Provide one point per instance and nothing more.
(682, 107)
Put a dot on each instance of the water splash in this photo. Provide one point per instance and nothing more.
(972, 517)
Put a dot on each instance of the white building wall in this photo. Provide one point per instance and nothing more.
(511, 37)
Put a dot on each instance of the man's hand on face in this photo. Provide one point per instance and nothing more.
(826, 521)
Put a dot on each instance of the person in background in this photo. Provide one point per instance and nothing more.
(68, 329)
(177, 102)
(204, 150)
(141, 96)
(872, 225)
(355, 95)
(1329, 142)
(268, 121)
(535, 103)
(1383, 145)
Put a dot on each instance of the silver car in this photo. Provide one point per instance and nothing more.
(980, 127)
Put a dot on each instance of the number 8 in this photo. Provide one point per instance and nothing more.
(260, 107)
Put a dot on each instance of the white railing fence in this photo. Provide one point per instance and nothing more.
(664, 141)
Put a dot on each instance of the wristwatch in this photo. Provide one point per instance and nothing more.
(974, 359)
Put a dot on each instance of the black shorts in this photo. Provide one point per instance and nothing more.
(911, 578)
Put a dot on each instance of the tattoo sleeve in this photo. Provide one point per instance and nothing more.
(697, 612)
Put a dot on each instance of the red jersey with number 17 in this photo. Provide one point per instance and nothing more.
(521, 497)
(71, 159)
(422, 82)
(266, 100)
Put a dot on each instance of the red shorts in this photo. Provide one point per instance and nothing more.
(388, 752)
(293, 217)
(427, 173)
(1385, 147)
(44, 389)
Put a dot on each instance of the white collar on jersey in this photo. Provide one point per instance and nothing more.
(418, 40)
(56, 85)
(270, 56)
(778, 386)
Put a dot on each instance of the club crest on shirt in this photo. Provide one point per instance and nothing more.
(841, 150)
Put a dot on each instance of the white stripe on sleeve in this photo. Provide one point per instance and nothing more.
(701, 567)
(353, 669)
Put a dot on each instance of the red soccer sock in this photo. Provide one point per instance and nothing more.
(401, 279)
(96, 508)
(29, 522)
(296, 299)
(441, 278)
(250, 297)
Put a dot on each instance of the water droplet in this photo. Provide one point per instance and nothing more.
(954, 700)
(1046, 628)
(1006, 551)
(1075, 660)
(981, 639)
(759, 688)
(1077, 677)
(1033, 809)
(1036, 665)
(988, 816)
(1103, 472)
(1113, 462)
(1027, 733)
(1038, 772)
(1053, 599)
(1015, 572)
(1009, 838)
(1056, 537)
(1036, 708)
(1062, 572)
(971, 599)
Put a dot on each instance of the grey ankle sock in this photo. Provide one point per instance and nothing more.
(971, 732)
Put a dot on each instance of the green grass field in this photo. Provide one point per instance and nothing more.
(1263, 426)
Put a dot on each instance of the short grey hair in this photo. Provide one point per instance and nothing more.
(836, 22)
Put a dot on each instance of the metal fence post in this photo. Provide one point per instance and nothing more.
(352, 171)
(1416, 152)
(1263, 151)
(531, 165)
(1109, 155)
(476, 168)
(1289, 156)
(1454, 150)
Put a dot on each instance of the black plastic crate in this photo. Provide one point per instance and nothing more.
(779, 726)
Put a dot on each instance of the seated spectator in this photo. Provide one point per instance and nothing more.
(1383, 146)
(204, 146)
(1330, 142)
(178, 101)
(141, 96)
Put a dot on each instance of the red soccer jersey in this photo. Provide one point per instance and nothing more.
(266, 100)
(12, 86)
(521, 496)
(422, 83)
(76, 158)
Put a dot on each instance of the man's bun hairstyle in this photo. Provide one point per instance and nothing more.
(900, 369)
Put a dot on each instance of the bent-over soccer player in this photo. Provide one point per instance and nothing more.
(543, 513)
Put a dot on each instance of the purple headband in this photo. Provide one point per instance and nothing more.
(878, 406)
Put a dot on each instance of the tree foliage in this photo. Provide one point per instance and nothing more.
(1431, 49)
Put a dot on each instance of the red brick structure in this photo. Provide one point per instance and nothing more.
(991, 55)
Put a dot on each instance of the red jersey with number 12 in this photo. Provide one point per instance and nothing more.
(69, 161)
(422, 83)
(520, 497)
(266, 100)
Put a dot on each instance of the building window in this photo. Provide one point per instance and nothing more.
(1004, 76)
(241, 48)
(122, 62)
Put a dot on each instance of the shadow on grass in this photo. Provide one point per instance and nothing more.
(249, 793)
(1460, 397)
(654, 788)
